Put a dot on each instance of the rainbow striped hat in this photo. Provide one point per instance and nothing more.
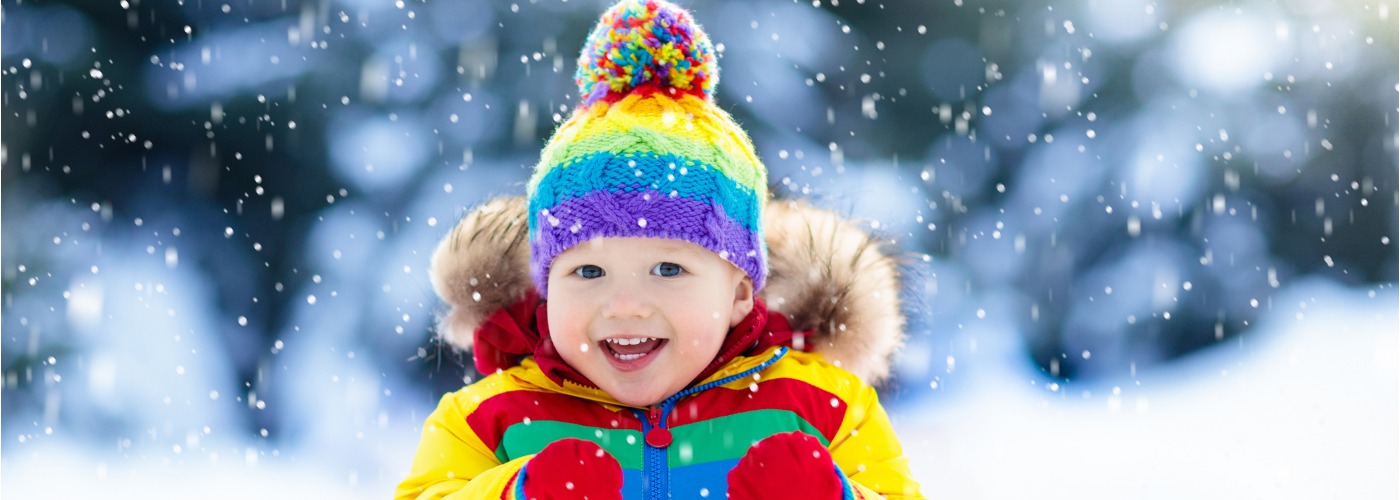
(647, 152)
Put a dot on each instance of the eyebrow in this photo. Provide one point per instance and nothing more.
(666, 248)
(675, 249)
(679, 253)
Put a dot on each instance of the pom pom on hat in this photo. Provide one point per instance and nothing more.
(646, 44)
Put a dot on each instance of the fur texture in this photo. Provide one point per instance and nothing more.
(825, 274)
(829, 276)
(481, 266)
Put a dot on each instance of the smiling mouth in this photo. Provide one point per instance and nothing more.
(631, 349)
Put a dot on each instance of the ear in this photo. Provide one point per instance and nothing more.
(743, 300)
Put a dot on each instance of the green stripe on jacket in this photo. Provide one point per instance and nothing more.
(722, 438)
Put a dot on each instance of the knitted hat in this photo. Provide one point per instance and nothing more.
(647, 152)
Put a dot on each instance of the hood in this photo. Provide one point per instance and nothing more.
(826, 274)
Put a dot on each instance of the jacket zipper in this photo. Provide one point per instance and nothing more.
(655, 470)
(655, 458)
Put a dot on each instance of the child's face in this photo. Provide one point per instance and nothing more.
(671, 301)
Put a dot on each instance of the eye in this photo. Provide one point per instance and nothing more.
(667, 270)
(588, 271)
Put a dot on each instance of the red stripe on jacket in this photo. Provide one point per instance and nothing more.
(818, 407)
(494, 415)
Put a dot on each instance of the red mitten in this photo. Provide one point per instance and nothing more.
(570, 469)
(790, 465)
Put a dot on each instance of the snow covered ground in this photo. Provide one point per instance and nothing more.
(1306, 405)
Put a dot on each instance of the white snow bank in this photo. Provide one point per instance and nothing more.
(1306, 405)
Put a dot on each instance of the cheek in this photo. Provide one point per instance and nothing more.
(722, 309)
(566, 330)
(710, 326)
(702, 346)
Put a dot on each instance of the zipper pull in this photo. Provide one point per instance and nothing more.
(658, 436)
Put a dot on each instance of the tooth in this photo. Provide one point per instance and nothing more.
(631, 341)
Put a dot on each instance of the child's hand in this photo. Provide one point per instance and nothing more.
(572, 469)
(790, 465)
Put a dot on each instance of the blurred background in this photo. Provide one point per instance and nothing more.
(1151, 245)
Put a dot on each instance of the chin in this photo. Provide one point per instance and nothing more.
(634, 397)
(641, 403)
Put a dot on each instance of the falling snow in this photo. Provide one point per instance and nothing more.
(1124, 228)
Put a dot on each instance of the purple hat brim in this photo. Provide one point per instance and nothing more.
(649, 214)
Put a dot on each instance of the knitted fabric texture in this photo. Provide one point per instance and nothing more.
(647, 153)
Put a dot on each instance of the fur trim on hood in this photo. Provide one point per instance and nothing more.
(825, 274)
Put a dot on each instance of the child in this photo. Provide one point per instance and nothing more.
(629, 351)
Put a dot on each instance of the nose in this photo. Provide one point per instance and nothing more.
(624, 302)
